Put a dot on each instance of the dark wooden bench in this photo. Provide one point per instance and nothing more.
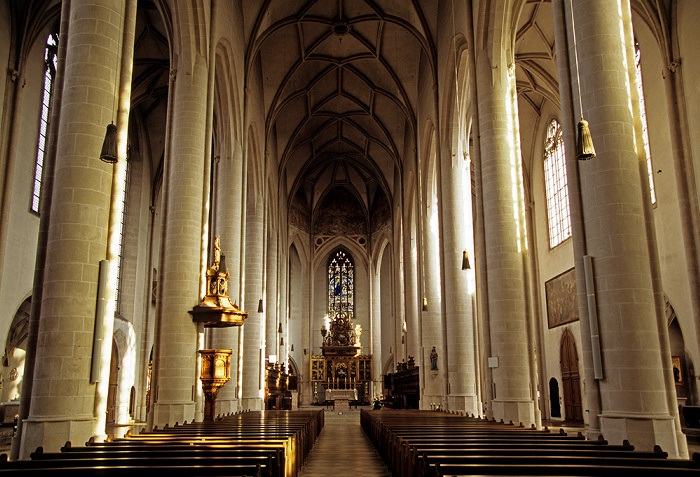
(267, 443)
(426, 443)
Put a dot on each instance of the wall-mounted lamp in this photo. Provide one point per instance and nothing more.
(260, 306)
(465, 261)
(281, 340)
(291, 348)
(280, 328)
(425, 304)
(109, 146)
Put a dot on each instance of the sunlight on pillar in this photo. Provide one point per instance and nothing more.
(516, 161)
(467, 229)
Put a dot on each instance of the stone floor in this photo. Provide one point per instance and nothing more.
(342, 449)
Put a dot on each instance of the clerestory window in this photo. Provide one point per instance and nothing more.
(49, 75)
(556, 186)
(645, 128)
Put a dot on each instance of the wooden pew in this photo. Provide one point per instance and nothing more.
(426, 443)
(266, 443)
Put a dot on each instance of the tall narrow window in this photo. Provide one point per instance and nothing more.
(558, 213)
(645, 129)
(49, 75)
(120, 259)
(341, 284)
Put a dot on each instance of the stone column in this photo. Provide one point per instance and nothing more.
(375, 334)
(510, 366)
(411, 300)
(632, 391)
(254, 327)
(116, 213)
(272, 335)
(229, 224)
(456, 237)
(432, 332)
(179, 285)
(62, 398)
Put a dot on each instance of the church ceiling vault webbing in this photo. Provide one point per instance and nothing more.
(340, 86)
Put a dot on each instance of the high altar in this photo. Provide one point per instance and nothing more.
(341, 373)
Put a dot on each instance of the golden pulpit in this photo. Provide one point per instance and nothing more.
(216, 371)
(216, 311)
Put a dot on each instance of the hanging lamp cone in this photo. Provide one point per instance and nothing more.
(584, 142)
(260, 306)
(465, 261)
(109, 146)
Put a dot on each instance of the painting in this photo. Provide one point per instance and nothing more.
(677, 370)
(562, 304)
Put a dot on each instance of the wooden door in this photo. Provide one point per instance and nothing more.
(571, 381)
(113, 380)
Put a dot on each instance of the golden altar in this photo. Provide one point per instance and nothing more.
(341, 366)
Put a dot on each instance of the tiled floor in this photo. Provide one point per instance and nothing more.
(342, 449)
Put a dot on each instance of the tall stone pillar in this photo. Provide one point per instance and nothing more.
(459, 320)
(254, 327)
(412, 299)
(375, 338)
(175, 372)
(632, 390)
(229, 224)
(513, 392)
(62, 405)
(272, 323)
(432, 332)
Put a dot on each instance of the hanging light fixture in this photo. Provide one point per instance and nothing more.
(465, 261)
(425, 304)
(584, 140)
(279, 330)
(291, 348)
(281, 341)
(109, 153)
(260, 306)
(109, 146)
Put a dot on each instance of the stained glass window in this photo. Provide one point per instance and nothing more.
(49, 74)
(556, 186)
(341, 289)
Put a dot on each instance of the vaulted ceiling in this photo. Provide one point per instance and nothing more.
(340, 85)
(340, 81)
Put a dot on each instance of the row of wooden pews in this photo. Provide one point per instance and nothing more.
(254, 443)
(428, 443)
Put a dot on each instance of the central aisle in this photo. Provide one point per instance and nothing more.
(342, 449)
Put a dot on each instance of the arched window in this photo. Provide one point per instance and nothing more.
(643, 111)
(558, 214)
(49, 75)
(341, 284)
(122, 236)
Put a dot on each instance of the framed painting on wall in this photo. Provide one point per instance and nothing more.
(562, 304)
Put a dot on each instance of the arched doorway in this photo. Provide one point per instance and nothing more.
(113, 381)
(571, 381)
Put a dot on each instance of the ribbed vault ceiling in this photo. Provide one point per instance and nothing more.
(340, 82)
